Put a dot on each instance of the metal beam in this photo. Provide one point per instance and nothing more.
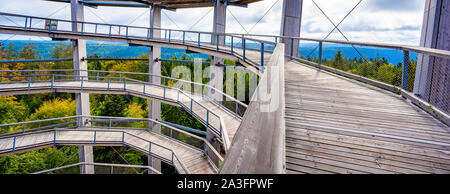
(432, 74)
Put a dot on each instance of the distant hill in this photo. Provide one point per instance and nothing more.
(108, 49)
(105, 49)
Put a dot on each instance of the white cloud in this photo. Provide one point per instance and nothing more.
(374, 20)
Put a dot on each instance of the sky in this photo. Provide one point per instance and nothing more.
(386, 21)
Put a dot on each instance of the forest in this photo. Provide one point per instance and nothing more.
(44, 106)
(53, 105)
(374, 68)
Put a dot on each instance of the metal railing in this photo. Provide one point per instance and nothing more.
(238, 45)
(187, 101)
(434, 101)
(112, 125)
(23, 75)
(125, 135)
(111, 166)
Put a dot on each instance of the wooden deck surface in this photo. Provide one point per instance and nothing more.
(329, 120)
(194, 159)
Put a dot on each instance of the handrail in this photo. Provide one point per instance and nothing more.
(111, 119)
(423, 50)
(196, 43)
(97, 164)
(54, 141)
(138, 27)
(130, 73)
(217, 130)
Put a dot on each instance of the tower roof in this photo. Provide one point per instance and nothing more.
(168, 4)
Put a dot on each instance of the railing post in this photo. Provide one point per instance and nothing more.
(53, 80)
(31, 19)
(26, 22)
(29, 83)
(184, 33)
(292, 47)
(109, 30)
(95, 136)
(198, 39)
(207, 119)
(220, 131)
(191, 104)
(54, 137)
(236, 108)
(217, 43)
(231, 44)
(148, 34)
(35, 76)
(243, 42)
(97, 75)
(96, 28)
(82, 28)
(164, 95)
(14, 144)
(50, 26)
(108, 84)
(405, 70)
(262, 54)
(170, 32)
(127, 32)
(320, 53)
(123, 138)
(143, 90)
(23, 129)
(276, 39)
(124, 85)
(110, 123)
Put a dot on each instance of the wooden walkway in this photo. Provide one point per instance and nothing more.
(337, 125)
(192, 158)
(170, 96)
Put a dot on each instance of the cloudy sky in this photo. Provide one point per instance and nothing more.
(390, 21)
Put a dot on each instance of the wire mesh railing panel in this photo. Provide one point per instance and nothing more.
(37, 126)
(432, 82)
(69, 170)
(182, 137)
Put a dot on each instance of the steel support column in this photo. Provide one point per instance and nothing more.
(154, 109)
(291, 20)
(85, 153)
(216, 70)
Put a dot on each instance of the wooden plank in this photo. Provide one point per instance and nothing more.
(317, 98)
(198, 161)
(258, 146)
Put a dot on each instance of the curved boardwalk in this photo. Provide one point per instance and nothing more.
(170, 95)
(337, 125)
(192, 158)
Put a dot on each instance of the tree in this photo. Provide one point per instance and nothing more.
(61, 51)
(53, 109)
(108, 105)
(134, 110)
(11, 111)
